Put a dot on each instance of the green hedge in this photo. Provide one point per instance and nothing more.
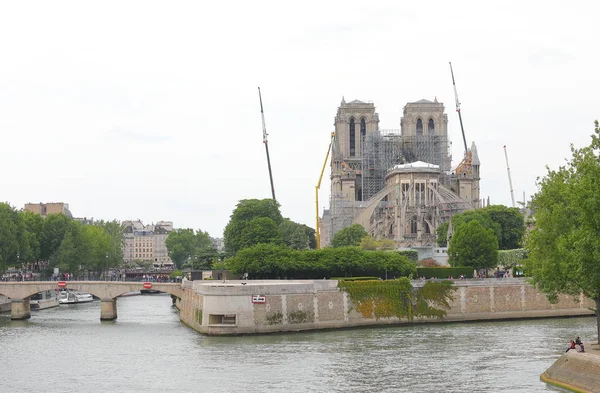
(272, 261)
(444, 272)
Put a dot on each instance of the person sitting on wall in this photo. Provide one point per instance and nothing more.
(577, 341)
(581, 348)
(571, 346)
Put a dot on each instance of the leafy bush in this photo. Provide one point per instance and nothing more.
(444, 272)
(275, 261)
(429, 262)
(398, 298)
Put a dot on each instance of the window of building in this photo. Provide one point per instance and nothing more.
(419, 127)
(431, 126)
(413, 225)
(363, 128)
(352, 137)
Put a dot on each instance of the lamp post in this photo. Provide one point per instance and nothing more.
(105, 266)
(20, 267)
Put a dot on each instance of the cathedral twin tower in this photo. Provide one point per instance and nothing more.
(398, 184)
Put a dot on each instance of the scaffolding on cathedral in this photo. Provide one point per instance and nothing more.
(384, 149)
(381, 151)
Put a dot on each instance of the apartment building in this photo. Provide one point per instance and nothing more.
(146, 242)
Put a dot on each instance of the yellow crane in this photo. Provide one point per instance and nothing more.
(317, 187)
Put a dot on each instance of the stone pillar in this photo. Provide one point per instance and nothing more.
(108, 309)
(19, 309)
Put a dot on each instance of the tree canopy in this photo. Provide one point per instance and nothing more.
(507, 223)
(186, 245)
(255, 221)
(349, 236)
(474, 246)
(564, 247)
(27, 238)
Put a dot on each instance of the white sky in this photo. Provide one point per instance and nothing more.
(150, 110)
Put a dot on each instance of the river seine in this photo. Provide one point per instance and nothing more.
(148, 350)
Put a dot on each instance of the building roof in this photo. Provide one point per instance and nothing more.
(417, 165)
(356, 102)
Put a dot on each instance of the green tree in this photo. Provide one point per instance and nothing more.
(67, 256)
(181, 245)
(186, 245)
(349, 236)
(312, 238)
(474, 246)
(55, 228)
(564, 248)
(370, 243)
(481, 216)
(260, 230)
(237, 236)
(512, 225)
(294, 235)
(34, 225)
(442, 234)
(9, 237)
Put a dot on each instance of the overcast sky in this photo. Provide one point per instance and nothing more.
(150, 110)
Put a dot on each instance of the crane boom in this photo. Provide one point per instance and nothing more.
(458, 109)
(317, 187)
(266, 142)
(512, 193)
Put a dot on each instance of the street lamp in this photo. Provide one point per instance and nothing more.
(20, 267)
(105, 267)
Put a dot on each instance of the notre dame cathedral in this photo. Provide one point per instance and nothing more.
(397, 184)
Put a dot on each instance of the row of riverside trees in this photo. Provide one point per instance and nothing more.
(27, 239)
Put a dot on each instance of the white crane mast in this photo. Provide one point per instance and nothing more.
(512, 193)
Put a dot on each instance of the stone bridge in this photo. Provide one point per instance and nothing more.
(19, 293)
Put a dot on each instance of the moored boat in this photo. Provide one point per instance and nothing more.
(73, 297)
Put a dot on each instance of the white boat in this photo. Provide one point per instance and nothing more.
(73, 297)
(43, 300)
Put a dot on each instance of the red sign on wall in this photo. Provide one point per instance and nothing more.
(259, 299)
(147, 285)
(62, 284)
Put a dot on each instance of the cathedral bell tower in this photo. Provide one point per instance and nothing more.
(354, 121)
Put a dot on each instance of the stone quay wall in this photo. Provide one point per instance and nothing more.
(268, 306)
(576, 371)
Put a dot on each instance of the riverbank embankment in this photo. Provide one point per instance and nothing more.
(269, 306)
(576, 371)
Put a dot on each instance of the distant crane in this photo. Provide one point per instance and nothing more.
(266, 142)
(512, 194)
(317, 187)
(458, 109)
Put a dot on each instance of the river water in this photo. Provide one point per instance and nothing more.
(148, 350)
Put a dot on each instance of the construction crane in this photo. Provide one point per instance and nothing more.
(317, 187)
(266, 142)
(512, 193)
(458, 109)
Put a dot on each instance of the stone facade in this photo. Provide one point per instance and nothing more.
(43, 209)
(147, 242)
(277, 306)
(378, 176)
